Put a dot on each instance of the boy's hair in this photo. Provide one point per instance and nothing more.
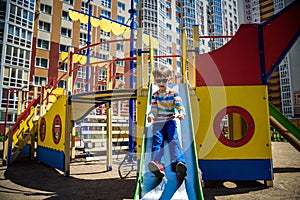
(162, 71)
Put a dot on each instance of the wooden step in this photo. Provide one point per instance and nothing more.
(103, 132)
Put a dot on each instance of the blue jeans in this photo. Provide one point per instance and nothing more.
(166, 131)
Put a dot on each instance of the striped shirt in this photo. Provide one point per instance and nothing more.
(166, 104)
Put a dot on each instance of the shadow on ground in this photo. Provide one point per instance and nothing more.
(222, 188)
(50, 184)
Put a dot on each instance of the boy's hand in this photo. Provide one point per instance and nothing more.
(150, 118)
(180, 116)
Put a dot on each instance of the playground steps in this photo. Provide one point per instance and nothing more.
(93, 134)
(119, 157)
(17, 149)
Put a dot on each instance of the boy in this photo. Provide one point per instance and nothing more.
(165, 102)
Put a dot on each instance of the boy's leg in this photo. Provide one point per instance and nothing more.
(174, 143)
(177, 157)
(155, 165)
(157, 145)
(181, 170)
(157, 169)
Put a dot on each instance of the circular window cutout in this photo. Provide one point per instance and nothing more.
(56, 129)
(42, 129)
(234, 126)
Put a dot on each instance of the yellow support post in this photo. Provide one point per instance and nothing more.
(68, 123)
(35, 96)
(20, 104)
(151, 52)
(139, 62)
(183, 62)
(43, 102)
(196, 43)
(108, 124)
(7, 145)
(108, 136)
(73, 143)
(70, 69)
(68, 130)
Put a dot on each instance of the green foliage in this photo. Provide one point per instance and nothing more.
(276, 136)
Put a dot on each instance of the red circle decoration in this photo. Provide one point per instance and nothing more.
(56, 129)
(250, 126)
(43, 129)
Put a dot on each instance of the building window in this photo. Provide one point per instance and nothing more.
(83, 38)
(120, 47)
(45, 26)
(169, 15)
(83, 26)
(66, 32)
(120, 77)
(39, 80)
(43, 44)
(104, 46)
(103, 33)
(169, 38)
(41, 62)
(121, 6)
(45, 9)
(62, 84)
(106, 3)
(63, 66)
(169, 26)
(81, 72)
(71, 2)
(120, 63)
(105, 13)
(169, 49)
(101, 74)
(121, 19)
(63, 48)
(65, 15)
(84, 7)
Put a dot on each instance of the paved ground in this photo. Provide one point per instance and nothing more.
(90, 180)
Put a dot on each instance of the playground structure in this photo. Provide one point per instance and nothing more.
(228, 118)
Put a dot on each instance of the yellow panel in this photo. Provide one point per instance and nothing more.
(196, 116)
(215, 98)
(58, 108)
(141, 114)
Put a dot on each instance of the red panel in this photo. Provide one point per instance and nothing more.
(236, 63)
(33, 54)
(53, 64)
(279, 33)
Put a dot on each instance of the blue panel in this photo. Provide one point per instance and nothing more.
(51, 157)
(26, 150)
(258, 169)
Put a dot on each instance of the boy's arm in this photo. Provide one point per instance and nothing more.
(154, 108)
(178, 104)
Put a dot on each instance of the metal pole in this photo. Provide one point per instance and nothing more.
(6, 110)
(88, 43)
(131, 101)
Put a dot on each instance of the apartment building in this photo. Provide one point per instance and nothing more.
(167, 19)
(35, 33)
(224, 20)
(283, 84)
(16, 33)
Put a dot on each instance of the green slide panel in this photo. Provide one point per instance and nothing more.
(292, 133)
